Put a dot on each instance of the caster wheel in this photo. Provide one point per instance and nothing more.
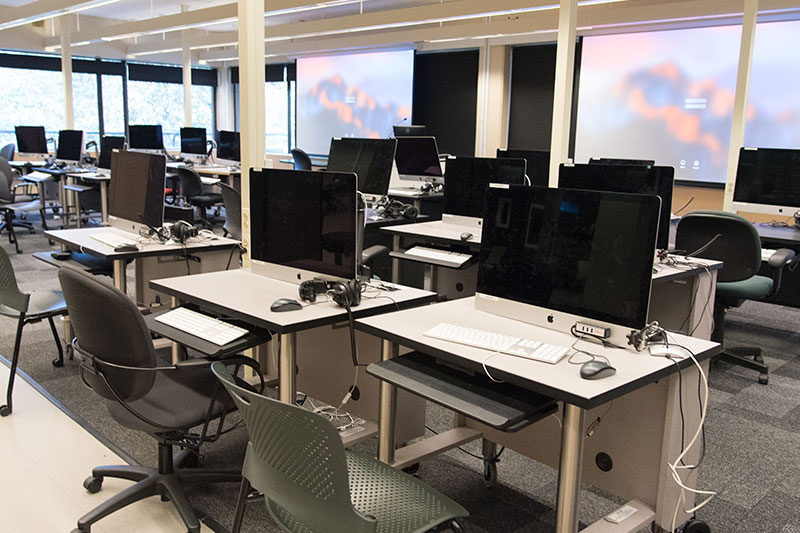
(696, 526)
(93, 484)
(758, 358)
(58, 362)
(31, 231)
(489, 474)
(70, 353)
(412, 469)
(763, 379)
(5, 410)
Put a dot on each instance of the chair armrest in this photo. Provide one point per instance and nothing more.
(780, 258)
(372, 253)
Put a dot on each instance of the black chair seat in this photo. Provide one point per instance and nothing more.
(205, 200)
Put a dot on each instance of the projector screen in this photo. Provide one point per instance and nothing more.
(354, 95)
(665, 95)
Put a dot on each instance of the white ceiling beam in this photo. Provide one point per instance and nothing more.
(12, 17)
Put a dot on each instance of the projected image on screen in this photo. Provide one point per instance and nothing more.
(664, 95)
(355, 95)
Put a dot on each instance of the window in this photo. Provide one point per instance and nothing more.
(279, 106)
(30, 98)
(113, 106)
(151, 102)
(85, 108)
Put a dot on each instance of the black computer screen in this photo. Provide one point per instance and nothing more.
(193, 141)
(587, 253)
(538, 161)
(146, 137)
(136, 191)
(70, 145)
(625, 178)
(418, 156)
(616, 161)
(228, 145)
(30, 139)
(414, 130)
(768, 176)
(370, 159)
(304, 219)
(466, 180)
(107, 145)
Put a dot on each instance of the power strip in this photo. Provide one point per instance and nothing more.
(594, 331)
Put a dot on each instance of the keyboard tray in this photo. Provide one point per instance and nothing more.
(503, 406)
(431, 261)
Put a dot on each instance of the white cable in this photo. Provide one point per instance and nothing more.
(483, 364)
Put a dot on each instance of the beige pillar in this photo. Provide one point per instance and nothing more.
(65, 29)
(187, 74)
(562, 100)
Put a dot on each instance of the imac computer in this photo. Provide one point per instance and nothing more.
(538, 164)
(136, 191)
(466, 180)
(303, 224)
(228, 148)
(415, 130)
(370, 159)
(107, 145)
(31, 142)
(614, 161)
(554, 257)
(417, 159)
(768, 181)
(70, 147)
(641, 179)
(193, 144)
(146, 138)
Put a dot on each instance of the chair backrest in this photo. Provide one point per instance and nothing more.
(232, 201)
(109, 326)
(7, 152)
(738, 245)
(296, 458)
(6, 178)
(191, 184)
(10, 295)
(301, 159)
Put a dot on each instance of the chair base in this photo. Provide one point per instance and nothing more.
(748, 357)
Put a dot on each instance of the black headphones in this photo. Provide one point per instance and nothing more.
(182, 231)
(397, 209)
(345, 293)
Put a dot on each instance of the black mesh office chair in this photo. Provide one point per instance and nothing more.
(301, 159)
(119, 363)
(192, 190)
(232, 201)
(732, 239)
(7, 152)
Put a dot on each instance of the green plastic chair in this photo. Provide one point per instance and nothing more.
(312, 484)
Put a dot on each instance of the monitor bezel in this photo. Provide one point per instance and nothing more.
(778, 210)
(110, 151)
(32, 155)
(195, 156)
(73, 162)
(429, 178)
(135, 226)
(224, 160)
(386, 180)
(157, 150)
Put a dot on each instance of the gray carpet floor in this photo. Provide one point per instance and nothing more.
(752, 434)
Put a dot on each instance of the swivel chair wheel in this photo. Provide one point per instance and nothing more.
(93, 484)
(31, 231)
(763, 379)
(58, 362)
(489, 473)
(411, 470)
(5, 410)
(758, 358)
(696, 526)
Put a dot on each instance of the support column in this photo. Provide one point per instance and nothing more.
(251, 102)
(740, 100)
(65, 29)
(483, 99)
(498, 99)
(562, 101)
(187, 74)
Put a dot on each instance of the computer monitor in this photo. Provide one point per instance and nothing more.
(466, 180)
(193, 143)
(70, 146)
(228, 147)
(370, 159)
(625, 178)
(31, 142)
(553, 257)
(538, 164)
(146, 137)
(107, 145)
(768, 181)
(136, 191)
(614, 161)
(303, 224)
(417, 159)
(414, 130)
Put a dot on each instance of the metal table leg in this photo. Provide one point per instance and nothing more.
(395, 261)
(569, 469)
(120, 281)
(104, 202)
(287, 384)
(387, 401)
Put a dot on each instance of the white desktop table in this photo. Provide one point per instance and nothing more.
(645, 391)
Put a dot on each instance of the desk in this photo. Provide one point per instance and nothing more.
(102, 180)
(153, 259)
(62, 175)
(641, 433)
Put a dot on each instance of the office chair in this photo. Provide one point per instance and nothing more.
(27, 308)
(11, 205)
(7, 152)
(301, 159)
(732, 239)
(232, 201)
(192, 190)
(311, 483)
(118, 362)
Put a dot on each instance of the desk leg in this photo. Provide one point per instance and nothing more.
(569, 469)
(104, 202)
(429, 281)
(63, 202)
(287, 384)
(395, 261)
(120, 280)
(387, 401)
(176, 347)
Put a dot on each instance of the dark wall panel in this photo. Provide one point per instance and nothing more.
(446, 98)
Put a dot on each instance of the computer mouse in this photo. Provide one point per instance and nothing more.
(466, 236)
(285, 304)
(597, 369)
(126, 247)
